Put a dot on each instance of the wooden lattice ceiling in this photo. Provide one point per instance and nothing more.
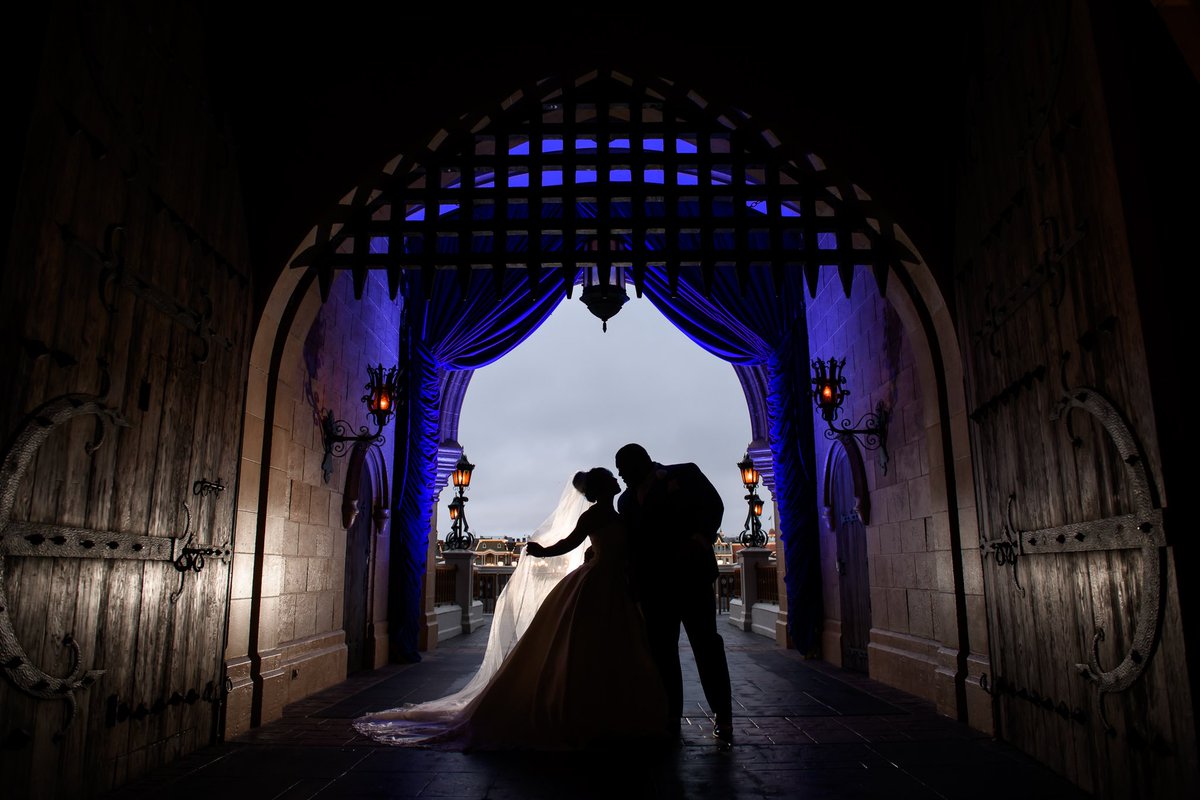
(598, 171)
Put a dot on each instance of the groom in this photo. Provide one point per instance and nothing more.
(677, 507)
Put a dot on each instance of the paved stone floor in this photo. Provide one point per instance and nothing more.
(804, 729)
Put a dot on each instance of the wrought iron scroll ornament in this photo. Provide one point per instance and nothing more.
(115, 273)
(1003, 687)
(18, 538)
(872, 427)
(17, 666)
(1142, 529)
(829, 393)
(1006, 551)
(1052, 268)
(117, 711)
(338, 439)
(192, 559)
(382, 391)
(203, 488)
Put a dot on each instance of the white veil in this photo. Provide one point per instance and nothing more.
(518, 603)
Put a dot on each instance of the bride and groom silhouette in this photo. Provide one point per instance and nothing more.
(584, 649)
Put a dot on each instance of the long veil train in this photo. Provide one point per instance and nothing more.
(516, 606)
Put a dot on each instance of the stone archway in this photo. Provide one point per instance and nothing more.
(381, 226)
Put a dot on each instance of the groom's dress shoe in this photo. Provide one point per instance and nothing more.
(723, 731)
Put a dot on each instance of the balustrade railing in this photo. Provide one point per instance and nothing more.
(767, 584)
(444, 585)
(729, 586)
(489, 582)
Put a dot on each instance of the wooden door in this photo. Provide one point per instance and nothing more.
(357, 582)
(1087, 664)
(852, 568)
(129, 301)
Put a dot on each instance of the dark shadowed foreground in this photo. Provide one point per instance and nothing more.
(804, 729)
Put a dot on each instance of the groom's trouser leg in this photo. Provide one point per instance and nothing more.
(700, 621)
(662, 629)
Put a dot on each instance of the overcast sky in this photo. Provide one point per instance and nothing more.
(569, 396)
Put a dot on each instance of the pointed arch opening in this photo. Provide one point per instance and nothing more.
(759, 225)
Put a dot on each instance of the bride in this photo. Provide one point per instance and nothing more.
(567, 663)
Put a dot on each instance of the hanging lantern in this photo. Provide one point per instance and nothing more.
(456, 508)
(750, 476)
(381, 393)
(604, 286)
(828, 382)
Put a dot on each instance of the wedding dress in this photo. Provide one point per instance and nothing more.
(567, 663)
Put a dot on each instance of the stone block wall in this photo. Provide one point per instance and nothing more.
(914, 625)
(286, 623)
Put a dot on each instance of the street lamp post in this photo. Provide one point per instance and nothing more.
(460, 537)
(752, 535)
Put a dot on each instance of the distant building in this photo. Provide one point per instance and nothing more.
(726, 549)
(495, 553)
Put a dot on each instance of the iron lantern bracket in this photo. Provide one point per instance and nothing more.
(337, 440)
(870, 432)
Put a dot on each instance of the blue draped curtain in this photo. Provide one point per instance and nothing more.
(445, 330)
(746, 323)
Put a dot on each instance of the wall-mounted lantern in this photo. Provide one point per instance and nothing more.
(829, 393)
(380, 400)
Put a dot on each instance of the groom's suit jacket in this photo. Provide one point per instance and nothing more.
(675, 515)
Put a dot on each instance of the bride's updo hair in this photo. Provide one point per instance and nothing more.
(596, 483)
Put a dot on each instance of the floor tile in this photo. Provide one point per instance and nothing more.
(803, 729)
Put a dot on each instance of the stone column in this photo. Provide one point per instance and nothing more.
(472, 611)
(741, 613)
(447, 456)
